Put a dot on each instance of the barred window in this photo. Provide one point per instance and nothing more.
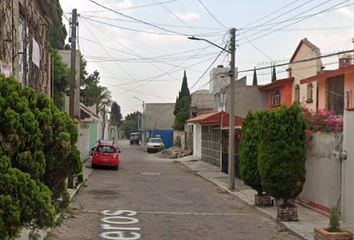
(276, 97)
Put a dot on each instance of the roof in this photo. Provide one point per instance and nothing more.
(277, 83)
(328, 74)
(214, 117)
(308, 43)
(88, 111)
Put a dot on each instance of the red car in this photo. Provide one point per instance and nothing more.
(105, 155)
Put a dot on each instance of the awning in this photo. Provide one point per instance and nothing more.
(220, 118)
(328, 74)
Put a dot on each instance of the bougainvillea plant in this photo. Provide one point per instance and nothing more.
(321, 120)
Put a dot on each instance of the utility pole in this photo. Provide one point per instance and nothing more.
(232, 111)
(72, 76)
(73, 63)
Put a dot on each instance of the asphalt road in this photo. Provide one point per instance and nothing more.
(158, 199)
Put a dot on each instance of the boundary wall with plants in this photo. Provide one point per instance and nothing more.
(322, 188)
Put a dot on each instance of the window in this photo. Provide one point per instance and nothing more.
(297, 93)
(276, 97)
(221, 102)
(21, 51)
(309, 92)
(335, 95)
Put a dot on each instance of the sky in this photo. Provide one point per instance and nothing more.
(141, 47)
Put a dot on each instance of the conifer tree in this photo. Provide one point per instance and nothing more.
(184, 92)
(282, 152)
(274, 74)
(255, 80)
(249, 152)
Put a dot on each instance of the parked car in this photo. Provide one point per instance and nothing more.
(105, 154)
(100, 141)
(134, 138)
(154, 144)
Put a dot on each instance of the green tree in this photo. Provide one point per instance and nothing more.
(116, 115)
(128, 127)
(133, 116)
(282, 152)
(57, 33)
(249, 152)
(184, 92)
(61, 78)
(183, 115)
(255, 80)
(38, 153)
(90, 90)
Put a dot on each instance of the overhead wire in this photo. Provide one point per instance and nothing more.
(138, 20)
(206, 9)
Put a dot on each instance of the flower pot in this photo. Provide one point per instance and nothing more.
(323, 234)
(287, 213)
(261, 200)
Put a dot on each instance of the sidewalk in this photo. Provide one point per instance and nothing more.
(308, 218)
(86, 170)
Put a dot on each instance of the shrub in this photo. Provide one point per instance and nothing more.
(38, 154)
(249, 153)
(177, 141)
(282, 152)
(334, 220)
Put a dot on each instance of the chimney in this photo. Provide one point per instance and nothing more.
(345, 61)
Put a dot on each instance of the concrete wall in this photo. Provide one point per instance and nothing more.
(322, 188)
(158, 116)
(202, 102)
(197, 140)
(246, 98)
(83, 143)
(348, 169)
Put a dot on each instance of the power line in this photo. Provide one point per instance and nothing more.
(138, 20)
(158, 24)
(330, 8)
(212, 14)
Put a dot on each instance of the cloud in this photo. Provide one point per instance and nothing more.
(186, 16)
(346, 12)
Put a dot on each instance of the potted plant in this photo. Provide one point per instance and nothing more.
(248, 159)
(282, 156)
(333, 231)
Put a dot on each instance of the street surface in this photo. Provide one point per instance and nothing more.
(159, 199)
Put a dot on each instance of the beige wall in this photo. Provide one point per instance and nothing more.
(246, 98)
(348, 169)
(197, 140)
(304, 70)
(323, 176)
(158, 116)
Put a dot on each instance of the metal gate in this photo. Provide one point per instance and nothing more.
(211, 145)
(225, 154)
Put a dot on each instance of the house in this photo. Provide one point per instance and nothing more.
(24, 39)
(202, 102)
(305, 62)
(279, 92)
(210, 138)
(157, 120)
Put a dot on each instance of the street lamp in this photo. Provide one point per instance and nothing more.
(231, 74)
(143, 122)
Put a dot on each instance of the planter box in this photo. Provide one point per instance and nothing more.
(287, 214)
(323, 234)
(262, 200)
